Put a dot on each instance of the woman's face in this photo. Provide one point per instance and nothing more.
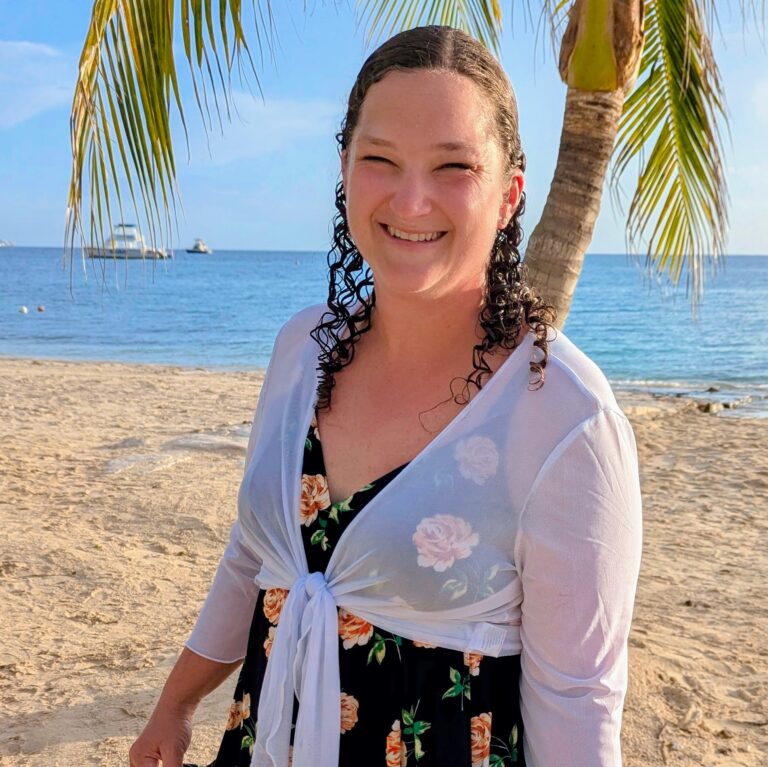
(425, 184)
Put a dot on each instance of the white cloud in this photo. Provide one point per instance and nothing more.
(760, 100)
(33, 79)
(260, 128)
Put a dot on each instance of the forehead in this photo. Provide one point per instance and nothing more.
(427, 108)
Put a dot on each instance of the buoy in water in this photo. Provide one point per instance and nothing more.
(40, 308)
(23, 310)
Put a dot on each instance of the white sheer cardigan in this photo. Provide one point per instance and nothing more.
(516, 530)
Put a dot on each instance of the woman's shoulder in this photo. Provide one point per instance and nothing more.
(574, 379)
(293, 335)
(580, 372)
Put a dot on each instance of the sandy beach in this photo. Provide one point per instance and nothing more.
(117, 489)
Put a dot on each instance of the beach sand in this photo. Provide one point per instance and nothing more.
(118, 485)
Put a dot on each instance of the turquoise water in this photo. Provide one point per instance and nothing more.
(223, 311)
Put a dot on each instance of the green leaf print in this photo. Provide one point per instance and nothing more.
(249, 739)
(308, 445)
(505, 753)
(319, 538)
(455, 587)
(379, 648)
(460, 687)
(411, 734)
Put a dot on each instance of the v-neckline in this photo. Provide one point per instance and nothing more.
(363, 486)
(512, 362)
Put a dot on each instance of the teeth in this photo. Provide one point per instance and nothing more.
(424, 237)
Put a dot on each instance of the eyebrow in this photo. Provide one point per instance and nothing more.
(449, 146)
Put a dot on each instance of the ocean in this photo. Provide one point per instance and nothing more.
(223, 311)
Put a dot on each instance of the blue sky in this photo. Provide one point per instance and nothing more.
(268, 182)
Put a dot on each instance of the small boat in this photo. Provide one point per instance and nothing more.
(199, 247)
(125, 241)
(5, 244)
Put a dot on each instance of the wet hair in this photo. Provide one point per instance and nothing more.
(509, 301)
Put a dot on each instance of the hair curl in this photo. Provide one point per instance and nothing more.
(509, 301)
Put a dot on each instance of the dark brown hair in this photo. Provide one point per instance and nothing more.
(509, 300)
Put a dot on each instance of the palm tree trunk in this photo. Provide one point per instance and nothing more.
(555, 252)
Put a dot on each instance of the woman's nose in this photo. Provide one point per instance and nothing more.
(411, 198)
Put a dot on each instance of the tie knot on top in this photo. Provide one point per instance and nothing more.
(314, 583)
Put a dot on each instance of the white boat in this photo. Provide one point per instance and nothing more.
(199, 247)
(5, 244)
(125, 241)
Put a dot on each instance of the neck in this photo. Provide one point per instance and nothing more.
(422, 332)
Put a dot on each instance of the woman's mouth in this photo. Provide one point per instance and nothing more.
(417, 237)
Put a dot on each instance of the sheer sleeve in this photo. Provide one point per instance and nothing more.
(221, 631)
(578, 554)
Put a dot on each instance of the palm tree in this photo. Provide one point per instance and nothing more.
(643, 91)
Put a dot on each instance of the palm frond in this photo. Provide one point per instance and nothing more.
(126, 89)
(479, 18)
(671, 127)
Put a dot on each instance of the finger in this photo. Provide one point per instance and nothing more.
(138, 759)
(171, 758)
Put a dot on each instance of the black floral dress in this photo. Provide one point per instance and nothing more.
(403, 703)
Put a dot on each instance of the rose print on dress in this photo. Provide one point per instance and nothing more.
(274, 599)
(268, 641)
(478, 458)
(481, 740)
(349, 706)
(353, 630)
(472, 661)
(314, 496)
(239, 711)
(442, 539)
(396, 750)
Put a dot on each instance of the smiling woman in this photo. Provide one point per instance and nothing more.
(418, 575)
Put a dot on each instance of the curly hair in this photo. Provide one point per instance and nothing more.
(509, 301)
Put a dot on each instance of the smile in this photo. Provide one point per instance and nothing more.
(412, 236)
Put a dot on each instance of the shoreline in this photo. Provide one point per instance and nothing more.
(119, 485)
(728, 399)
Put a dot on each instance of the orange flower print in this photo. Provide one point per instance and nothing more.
(481, 740)
(472, 661)
(268, 641)
(425, 645)
(397, 754)
(314, 496)
(314, 425)
(239, 711)
(349, 706)
(353, 630)
(274, 599)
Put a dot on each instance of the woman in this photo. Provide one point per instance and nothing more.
(423, 572)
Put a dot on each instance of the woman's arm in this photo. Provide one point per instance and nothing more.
(221, 631)
(578, 553)
(168, 732)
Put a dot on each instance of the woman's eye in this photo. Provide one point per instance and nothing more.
(375, 158)
(459, 165)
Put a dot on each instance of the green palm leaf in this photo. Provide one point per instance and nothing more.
(670, 125)
(480, 18)
(127, 86)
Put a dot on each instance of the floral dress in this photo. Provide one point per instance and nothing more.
(403, 703)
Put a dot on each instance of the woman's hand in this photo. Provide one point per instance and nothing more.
(164, 740)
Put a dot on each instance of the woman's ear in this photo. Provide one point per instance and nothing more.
(343, 155)
(511, 198)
